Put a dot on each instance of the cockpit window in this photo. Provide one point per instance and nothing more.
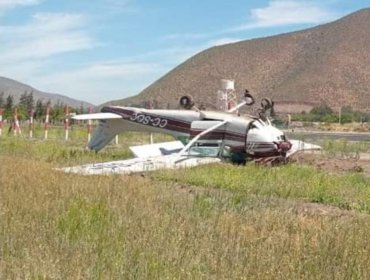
(206, 151)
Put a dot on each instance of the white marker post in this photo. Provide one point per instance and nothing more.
(16, 127)
(89, 125)
(31, 123)
(46, 126)
(66, 113)
(1, 121)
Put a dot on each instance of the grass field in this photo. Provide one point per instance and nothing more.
(212, 222)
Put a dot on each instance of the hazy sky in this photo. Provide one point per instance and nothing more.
(101, 50)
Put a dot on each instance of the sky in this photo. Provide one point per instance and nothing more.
(103, 50)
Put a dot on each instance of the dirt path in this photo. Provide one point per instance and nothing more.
(335, 164)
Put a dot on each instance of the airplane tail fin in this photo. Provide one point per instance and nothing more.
(104, 133)
(107, 129)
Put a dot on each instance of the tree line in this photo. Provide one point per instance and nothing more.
(27, 105)
(324, 113)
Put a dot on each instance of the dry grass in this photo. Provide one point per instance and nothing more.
(62, 226)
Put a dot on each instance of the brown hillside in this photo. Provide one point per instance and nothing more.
(330, 62)
(16, 89)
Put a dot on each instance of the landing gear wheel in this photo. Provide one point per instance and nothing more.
(249, 100)
(186, 102)
(266, 103)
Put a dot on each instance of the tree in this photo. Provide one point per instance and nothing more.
(30, 101)
(2, 100)
(23, 99)
(82, 109)
(26, 101)
(322, 109)
(39, 110)
(57, 112)
(9, 106)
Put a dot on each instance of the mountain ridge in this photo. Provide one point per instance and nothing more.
(12, 87)
(326, 63)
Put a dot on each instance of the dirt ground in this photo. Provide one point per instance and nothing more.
(335, 164)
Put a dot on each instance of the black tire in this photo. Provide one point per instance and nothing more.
(266, 103)
(186, 102)
(248, 96)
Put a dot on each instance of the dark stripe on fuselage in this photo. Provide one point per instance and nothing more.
(172, 123)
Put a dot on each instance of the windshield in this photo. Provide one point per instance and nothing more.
(205, 151)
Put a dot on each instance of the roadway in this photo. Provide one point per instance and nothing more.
(328, 135)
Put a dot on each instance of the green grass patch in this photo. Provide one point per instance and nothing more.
(72, 152)
(345, 149)
(84, 221)
(351, 191)
(211, 222)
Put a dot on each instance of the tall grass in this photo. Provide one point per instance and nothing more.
(350, 191)
(218, 222)
(61, 152)
(345, 149)
(61, 226)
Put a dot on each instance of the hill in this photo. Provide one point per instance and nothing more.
(330, 62)
(15, 88)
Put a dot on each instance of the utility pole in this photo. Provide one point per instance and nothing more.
(340, 115)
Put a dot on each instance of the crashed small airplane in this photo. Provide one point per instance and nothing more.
(204, 137)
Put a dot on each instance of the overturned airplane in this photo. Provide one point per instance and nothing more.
(205, 136)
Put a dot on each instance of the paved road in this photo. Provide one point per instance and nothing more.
(322, 135)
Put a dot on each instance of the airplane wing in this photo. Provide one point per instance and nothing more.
(150, 157)
(96, 116)
(135, 165)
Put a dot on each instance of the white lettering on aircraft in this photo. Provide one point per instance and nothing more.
(148, 120)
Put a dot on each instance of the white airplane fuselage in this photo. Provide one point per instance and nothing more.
(242, 134)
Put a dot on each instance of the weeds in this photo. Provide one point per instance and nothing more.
(349, 192)
(213, 222)
(344, 149)
(84, 221)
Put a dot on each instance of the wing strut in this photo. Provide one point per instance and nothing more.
(200, 135)
(237, 107)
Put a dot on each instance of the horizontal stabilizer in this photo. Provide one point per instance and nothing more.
(157, 149)
(97, 116)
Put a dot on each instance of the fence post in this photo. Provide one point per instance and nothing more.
(46, 127)
(1, 121)
(15, 124)
(89, 125)
(66, 113)
(31, 123)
